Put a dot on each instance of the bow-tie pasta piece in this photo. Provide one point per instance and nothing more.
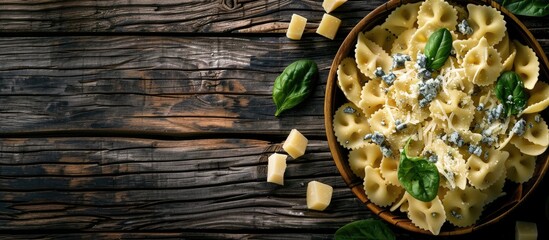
(527, 147)
(402, 18)
(427, 215)
(487, 22)
(368, 155)
(520, 167)
(482, 64)
(462, 47)
(372, 97)
(369, 56)
(538, 99)
(382, 121)
(496, 189)
(460, 214)
(350, 126)
(438, 13)
(349, 79)
(402, 43)
(536, 130)
(382, 37)
(388, 169)
(483, 172)
(526, 64)
(378, 190)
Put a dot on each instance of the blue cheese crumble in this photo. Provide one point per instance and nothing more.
(399, 59)
(389, 78)
(378, 138)
(429, 90)
(480, 107)
(476, 150)
(537, 118)
(368, 136)
(400, 125)
(520, 127)
(421, 61)
(464, 28)
(386, 151)
(456, 139)
(379, 72)
(349, 110)
(455, 214)
(494, 113)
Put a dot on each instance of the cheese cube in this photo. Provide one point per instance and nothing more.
(330, 5)
(319, 195)
(526, 231)
(328, 26)
(276, 168)
(296, 28)
(295, 144)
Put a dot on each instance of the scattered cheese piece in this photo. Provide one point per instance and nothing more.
(276, 168)
(526, 231)
(328, 26)
(295, 144)
(330, 5)
(319, 195)
(296, 28)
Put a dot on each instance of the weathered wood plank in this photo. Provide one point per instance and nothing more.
(203, 16)
(108, 184)
(165, 85)
(184, 16)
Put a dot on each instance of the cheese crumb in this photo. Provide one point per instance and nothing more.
(328, 26)
(297, 27)
(526, 231)
(331, 5)
(276, 168)
(295, 144)
(319, 195)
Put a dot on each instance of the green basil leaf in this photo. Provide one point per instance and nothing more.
(418, 176)
(532, 8)
(368, 229)
(294, 84)
(438, 48)
(510, 84)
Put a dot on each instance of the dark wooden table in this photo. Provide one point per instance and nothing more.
(138, 119)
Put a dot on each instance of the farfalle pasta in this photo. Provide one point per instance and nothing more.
(451, 114)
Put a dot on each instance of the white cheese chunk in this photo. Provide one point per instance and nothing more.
(330, 5)
(526, 231)
(295, 144)
(319, 195)
(328, 26)
(276, 168)
(296, 28)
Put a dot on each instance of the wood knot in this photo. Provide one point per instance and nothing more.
(230, 4)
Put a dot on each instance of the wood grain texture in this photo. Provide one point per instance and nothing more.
(161, 85)
(181, 16)
(109, 184)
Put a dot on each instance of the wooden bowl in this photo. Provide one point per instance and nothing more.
(515, 193)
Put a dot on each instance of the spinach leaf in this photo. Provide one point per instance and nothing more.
(437, 48)
(294, 84)
(418, 176)
(365, 230)
(532, 8)
(510, 92)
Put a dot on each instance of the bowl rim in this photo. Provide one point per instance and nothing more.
(341, 161)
